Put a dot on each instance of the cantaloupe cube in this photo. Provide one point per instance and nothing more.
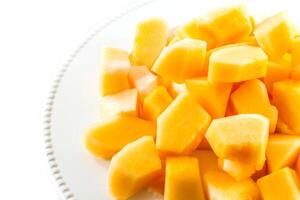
(227, 25)
(175, 89)
(237, 63)
(282, 184)
(155, 103)
(109, 136)
(211, 95)
(126, 102)
(114, 66)
(286, 97)
(207, 160)
(282, 151)
(260, 173)
(181, 127)
(282, 127)
(136, 165)
(182, 60)
(274, 35)
(241, 137)
(249, 40)
(295, 50)
(183, 179)
(142, 79)
(219, 185)
(297, 166)
(150, 38)
(276, 71)
(252, 97)
(239, 170)
(295, 73)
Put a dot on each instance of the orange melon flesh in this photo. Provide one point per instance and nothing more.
(276, 72)
(150, 38)
(126, 102)
(241, 62)
(252, 97)
(109, 136)
(249, 40)
(219, 185)
(155, 103)
(295, 50)
(241, 137)
(130, 170)
(182, 60)
(142, 79)
(286, 97)
(207, 160)
(181, 127)
(114, 66)
(212, 96)
(226, 25)
(158, 185)
(274, 35)
(282, 151)
(183, 179)
(237, 169)
(282, 127)
(282, 184)
(175, 89)
(297, 166)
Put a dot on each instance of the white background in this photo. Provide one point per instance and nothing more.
(36, 38)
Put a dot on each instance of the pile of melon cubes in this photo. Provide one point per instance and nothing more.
(207, 110)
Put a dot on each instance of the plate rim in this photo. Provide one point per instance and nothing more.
(62, 186)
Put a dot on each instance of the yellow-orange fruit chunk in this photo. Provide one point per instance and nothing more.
(114, 66)
(182, 60)
(175, 89)
(282, 151)
(282, 184)
(136, 165)
(252, 97)
(142, 79)
(297, 166)
(282, 127)
(274, 35)
(207, 160)
(276, 71)
(241, 137)
(109, 136)
(237, 63)
(239, 170)
(150, 38)
(183, 179)
(155, 103)
(286, 97)
(126, 102)
(295, 50)
(220, 186)
(211, 95)
(181, 127)
(226, 25)
(250, 40)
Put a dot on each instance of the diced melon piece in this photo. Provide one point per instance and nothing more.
(182, 60)
(192, 30)
(295, 50)
(114, 66)
(237, 169)
(204, 144)
(207, 160)
(126, 102)
(150, 38)
(282, 184)
(142, 79)
(282, 151)
(220, 186)
(183, 179)
(227, 25)
(297, 166)
(109, 136)
(295, 73)
(282, 127)
(163, 82)
(274, 35)
(241, 137)
(158, 185)
(276, 72)
(211, 95)
(175, 89)
(286, 97)
(181, 127)
(237, 63)
(250, 40)
(252, 97)
(130, 170)
(155, 103)
(260, 173)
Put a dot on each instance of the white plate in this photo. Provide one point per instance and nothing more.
(73, 101)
